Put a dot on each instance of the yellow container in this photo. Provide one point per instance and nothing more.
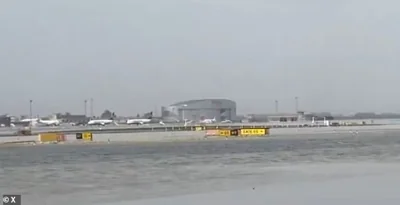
(87, 136)
(224, 133)
(199, 128)
(49, 137)
(254, 132)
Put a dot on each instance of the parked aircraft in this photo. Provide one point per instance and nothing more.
(50, 122)
(147, 119)
(102, 122)
(208, 121)
(138, 121)
(27, 122)
(226, 121)
(37, 122)
(143, 122)
(30, 120)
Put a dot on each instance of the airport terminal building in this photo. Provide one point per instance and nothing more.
(196, 110)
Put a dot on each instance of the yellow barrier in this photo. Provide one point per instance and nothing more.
(235, 132)
(238, 132)
(224, 133)
(51, 137)
(87, 136)
(254, 132)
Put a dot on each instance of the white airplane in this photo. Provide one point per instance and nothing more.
(141, 122)
(32, 122)
(208, 121)
(101, 122)
(50, 122)
(29, 120)
(138, 121)
(226, 121)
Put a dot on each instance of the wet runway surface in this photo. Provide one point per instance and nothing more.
(105, 173)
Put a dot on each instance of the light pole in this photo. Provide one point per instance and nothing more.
(276, 106)
(183, 112)
(85, 108)
(30, 114)
(91, 108)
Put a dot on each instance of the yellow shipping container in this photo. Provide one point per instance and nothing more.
(87, 136)
(254, 132)
(48, 137)
(224, 133)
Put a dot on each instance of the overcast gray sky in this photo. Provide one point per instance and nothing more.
(133, 55)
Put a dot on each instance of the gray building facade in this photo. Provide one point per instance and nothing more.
(5, 120)
(196, 110)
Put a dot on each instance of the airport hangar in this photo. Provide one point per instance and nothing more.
(196, 110)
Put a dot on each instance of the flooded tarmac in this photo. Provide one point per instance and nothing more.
(109, 173)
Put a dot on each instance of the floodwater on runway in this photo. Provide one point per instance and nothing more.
(87, 174)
